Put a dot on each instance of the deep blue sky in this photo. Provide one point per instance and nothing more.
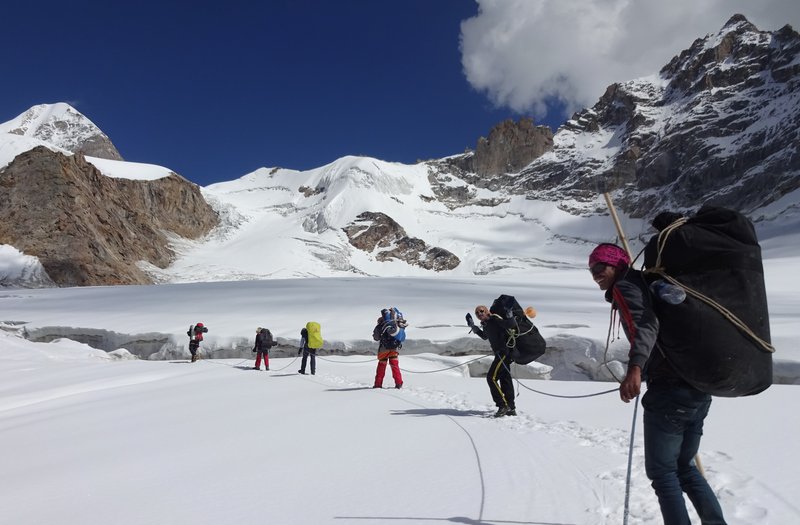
(214, 90)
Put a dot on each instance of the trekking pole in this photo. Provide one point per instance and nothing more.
(626, 506)
(621, 234)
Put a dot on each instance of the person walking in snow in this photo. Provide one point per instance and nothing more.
(674, 411)
(388, 347)
(501, 385)
(195, 334)
(310, 342)
(264, 342)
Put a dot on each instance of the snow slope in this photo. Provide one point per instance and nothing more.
(135, 442)
(271, 229)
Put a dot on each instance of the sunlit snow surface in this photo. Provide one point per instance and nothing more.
(115, 440)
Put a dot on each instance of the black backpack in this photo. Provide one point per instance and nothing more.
(525, 342)
(267, 341)
(721, 348)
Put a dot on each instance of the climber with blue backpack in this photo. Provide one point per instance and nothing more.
(390, 332)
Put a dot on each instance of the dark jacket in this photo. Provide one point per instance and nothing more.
(631, 298)
(264, 341)
(387, 342)
(495, 330)
(304, 339)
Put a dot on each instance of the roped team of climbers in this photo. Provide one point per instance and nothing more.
(716, 248)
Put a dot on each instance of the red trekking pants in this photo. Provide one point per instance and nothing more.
(391, 357)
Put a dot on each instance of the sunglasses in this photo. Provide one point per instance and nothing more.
(598, 268)
(482, 313)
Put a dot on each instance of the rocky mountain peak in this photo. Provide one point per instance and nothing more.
(736, 53)
(719, 125)
(65, 127)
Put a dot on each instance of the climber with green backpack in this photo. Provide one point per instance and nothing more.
(310, 342)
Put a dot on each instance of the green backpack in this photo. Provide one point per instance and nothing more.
(314, 335)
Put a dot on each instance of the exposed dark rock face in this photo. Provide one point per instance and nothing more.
(89, 229)
(454, 187)
(510, 147)
(377, 232)
(720, 125)
(310, 192)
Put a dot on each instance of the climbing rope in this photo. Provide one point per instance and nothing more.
(345, 362)
(443, 369)
(564, 396)
(287, 366)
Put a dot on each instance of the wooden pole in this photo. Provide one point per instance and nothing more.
(617, 224)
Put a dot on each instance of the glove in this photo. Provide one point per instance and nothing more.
(299, 350)
(254, 349)
(470, 322)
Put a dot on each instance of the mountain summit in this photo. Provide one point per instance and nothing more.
(63, 126)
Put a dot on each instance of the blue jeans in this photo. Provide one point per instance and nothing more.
(673, 426)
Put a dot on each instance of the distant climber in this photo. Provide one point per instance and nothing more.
(310, 342)
(195, 334)
(390, 334)
(264, 341)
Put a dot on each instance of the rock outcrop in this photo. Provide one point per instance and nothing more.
(379, 234)
(89, 229)
(511, 146)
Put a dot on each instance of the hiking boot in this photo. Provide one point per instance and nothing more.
(377, 386)
(256, 368)
(266, 369)
(511, 412)
(301, 372)
(399, 386)
(502, 411)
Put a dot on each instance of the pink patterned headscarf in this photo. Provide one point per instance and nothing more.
(610, 254)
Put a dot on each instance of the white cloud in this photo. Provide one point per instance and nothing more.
(522, 53)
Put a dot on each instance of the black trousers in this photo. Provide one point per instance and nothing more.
(501, 384)
(306, 353)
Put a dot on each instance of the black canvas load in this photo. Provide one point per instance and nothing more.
(525, 342)
(718, 338)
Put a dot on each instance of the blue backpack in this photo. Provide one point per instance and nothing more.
(394, 324)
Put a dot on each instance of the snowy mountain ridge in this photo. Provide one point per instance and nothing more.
(719, 124)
